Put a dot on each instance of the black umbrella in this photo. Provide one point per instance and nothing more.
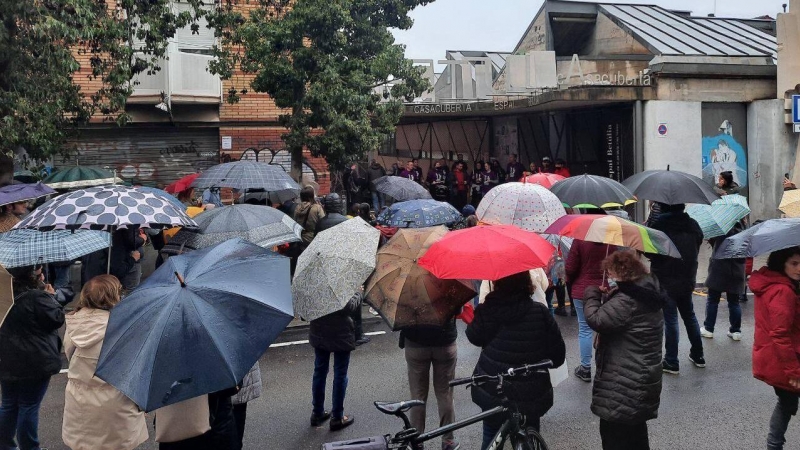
(401, 189)
(592, 191)
(671, 187)
(766, 237)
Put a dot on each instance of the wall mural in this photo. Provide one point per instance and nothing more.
(724, 142)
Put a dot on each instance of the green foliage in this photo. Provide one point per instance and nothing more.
(40, 105)
(321, 60)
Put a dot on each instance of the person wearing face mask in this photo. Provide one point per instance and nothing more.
(776, 344)
(628, 317)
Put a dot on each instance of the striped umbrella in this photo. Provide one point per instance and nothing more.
(718, 218)
(614, 230)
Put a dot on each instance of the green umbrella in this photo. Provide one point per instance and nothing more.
(80, 177)
(718, 218)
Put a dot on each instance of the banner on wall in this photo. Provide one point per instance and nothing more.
(505, 136)
(724, 142)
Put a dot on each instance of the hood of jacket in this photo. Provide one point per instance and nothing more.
(646, 290)
(87, 327)
(675, 222)
(763, 279)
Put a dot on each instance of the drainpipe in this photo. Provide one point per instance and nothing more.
(638, 152)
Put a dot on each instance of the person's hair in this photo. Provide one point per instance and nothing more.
(472, 221)
(776, 261)
(101, 292)
(363, 212)
(307, 194)
(25, 279)
(514, 284)
(626, 264)
(727, 176)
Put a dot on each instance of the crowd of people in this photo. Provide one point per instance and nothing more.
(627, 318)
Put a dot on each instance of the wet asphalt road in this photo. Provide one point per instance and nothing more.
(719, 407)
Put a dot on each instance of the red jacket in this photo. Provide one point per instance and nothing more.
(563, 171)
(583, 266)
(777, 337)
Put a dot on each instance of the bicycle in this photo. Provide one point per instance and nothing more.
(514, 428)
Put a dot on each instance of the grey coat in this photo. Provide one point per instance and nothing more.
(630, 323)
(251, 387)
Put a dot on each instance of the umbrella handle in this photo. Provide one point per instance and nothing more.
(180, 279)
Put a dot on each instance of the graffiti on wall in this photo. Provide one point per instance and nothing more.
(723, 153)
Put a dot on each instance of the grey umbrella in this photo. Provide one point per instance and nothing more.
(671, 187)
(246, 175)
(401, 189)
(766, 237)
(261, 225)
(26, 247)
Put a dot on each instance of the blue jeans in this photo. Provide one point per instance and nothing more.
(680, 304)
(585, 341)
(734, 310)
(19, 413)
(491, 427)
(377, 201)
(341, 361)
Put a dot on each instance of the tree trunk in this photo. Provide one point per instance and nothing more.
(297, 163)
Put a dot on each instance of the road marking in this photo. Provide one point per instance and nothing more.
(286, 344)
(63, 371)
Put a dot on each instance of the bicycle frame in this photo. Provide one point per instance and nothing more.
(460, 424)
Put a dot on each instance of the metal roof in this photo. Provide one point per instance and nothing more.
(667, 33)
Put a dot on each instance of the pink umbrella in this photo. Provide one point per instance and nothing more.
(543, 179)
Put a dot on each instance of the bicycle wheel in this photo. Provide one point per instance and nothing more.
(535, 440)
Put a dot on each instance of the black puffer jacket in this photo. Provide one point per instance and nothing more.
(678, 275)
(726, 275)
(627, 386)
(30, 347)
(514, 331)
(335, 332)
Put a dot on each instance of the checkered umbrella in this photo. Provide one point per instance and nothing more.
(245, 175)
(718, 218)
(104, 208)
(401, 189)
(28, 247)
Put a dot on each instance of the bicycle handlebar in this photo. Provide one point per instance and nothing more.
(540, 367)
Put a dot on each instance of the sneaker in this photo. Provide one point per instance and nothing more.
(319, 420)
(344, 422)
(735, 335)
(584, 373)
(706, 334)
(372, 311)
(698, 361)
(450, 445)
(561, 311)
(669, 368)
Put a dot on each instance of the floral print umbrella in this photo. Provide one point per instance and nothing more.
(529, 206)
(419, 214)
(333, 268)
(407, 295)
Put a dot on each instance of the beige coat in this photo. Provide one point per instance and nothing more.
(96, 415)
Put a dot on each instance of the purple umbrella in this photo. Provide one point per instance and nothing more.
(14, 193)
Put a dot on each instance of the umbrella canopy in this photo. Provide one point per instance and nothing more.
(163, 195)
(25, 176)
(80, 177)
(103, 208)
(614, 230)
(418, 214)
(670, 187)
(197, 324)
(14, 193)
(562, 243)
(263, 226)
(543, 179)
(592, 191)
(182, 184)
(720, 217)
(333, 268)
(6, 294)
(401, 189)
(790, 203)
(407, 295)
(486, 253)
(529, 206)
(244, 175)
(27, 247)
(766, 237)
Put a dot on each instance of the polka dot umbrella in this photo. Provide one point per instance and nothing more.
(529, 206)
(106, 208)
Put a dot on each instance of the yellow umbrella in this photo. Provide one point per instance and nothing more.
(790, 203)
(6, 294)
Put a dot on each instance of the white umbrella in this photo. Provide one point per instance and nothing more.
(527, 206)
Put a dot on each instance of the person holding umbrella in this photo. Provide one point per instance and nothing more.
(725, 275)
(30, 353)
(512, 329)
(775, 348)
(678, 277)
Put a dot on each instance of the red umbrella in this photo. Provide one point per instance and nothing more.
(486, 253)
(543, 179)
(182, 184)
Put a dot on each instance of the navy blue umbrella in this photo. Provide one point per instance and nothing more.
(418, 214)
(766, 237)
(197, 324)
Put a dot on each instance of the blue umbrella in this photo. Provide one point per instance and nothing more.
(163, 195)
(197, 324)
(14, 193)
(418, 214)
(766, 237)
